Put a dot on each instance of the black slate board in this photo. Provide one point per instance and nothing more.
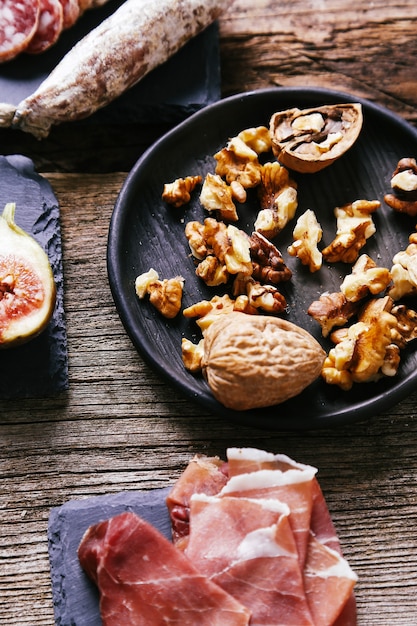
(75, 597)
(40, 367)
(185, 83)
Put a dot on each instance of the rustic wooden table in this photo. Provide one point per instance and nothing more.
(119, 426)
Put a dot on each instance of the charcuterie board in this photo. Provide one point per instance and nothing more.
(39, 367)
(75, 597)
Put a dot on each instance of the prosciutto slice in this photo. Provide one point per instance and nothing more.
(246, 460)
(202, 475)
(247, 547)
(145, 581)
(328, 583)
(294, 487)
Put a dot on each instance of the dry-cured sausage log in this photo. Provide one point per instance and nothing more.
(113, 57)
(18, 24)
(49, 27)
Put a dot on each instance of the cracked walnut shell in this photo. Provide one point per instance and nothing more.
(309, 140)
(253, 361)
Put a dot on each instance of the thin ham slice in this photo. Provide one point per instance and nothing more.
(294, 487)
(247, 547)
(342, 608)
(328, 582)
(202, 475)
(145, 581)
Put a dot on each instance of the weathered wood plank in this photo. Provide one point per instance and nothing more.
(119, 427)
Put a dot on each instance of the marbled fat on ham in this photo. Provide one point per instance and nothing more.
(145, 581)
(259, 548)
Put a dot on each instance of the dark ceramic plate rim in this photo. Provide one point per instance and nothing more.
(293, 414)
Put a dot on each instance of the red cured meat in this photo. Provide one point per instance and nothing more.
(18, 24)
(245, 460)
(328, 582)
(71, 9)
(145, 581)
(202, 475)
(49, 26)
(294, 487)
(247, 547)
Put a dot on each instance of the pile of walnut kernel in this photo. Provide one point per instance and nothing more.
(364, 321)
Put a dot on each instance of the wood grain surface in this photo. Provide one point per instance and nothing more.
(119, 426)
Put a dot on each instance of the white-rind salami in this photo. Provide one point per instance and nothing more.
(49, 27)
(113, 57)
(18, 24)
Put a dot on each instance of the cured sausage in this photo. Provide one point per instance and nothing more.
(18, 24)
(71, 10)
(113, 57)
(49, 26)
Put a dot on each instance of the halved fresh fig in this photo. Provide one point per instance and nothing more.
(27, 286)
(308, 140)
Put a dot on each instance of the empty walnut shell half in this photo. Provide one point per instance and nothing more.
(253, 361)
(309, 140)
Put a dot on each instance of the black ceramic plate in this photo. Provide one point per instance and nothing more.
(145, 232)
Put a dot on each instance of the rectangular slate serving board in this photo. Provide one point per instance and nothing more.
(75, 597)
(188, 81)
(40, 367)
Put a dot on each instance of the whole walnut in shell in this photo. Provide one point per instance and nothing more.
(253, 361)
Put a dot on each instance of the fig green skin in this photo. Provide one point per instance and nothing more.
(15, 242)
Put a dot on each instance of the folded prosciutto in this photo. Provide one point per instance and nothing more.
(253, 544)
(248, 548)
(247, 460)
(145, 581)
(327, 579)
(202, 475)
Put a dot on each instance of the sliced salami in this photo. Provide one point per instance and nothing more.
(18, 24)
(49, 27)
(72, 12)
